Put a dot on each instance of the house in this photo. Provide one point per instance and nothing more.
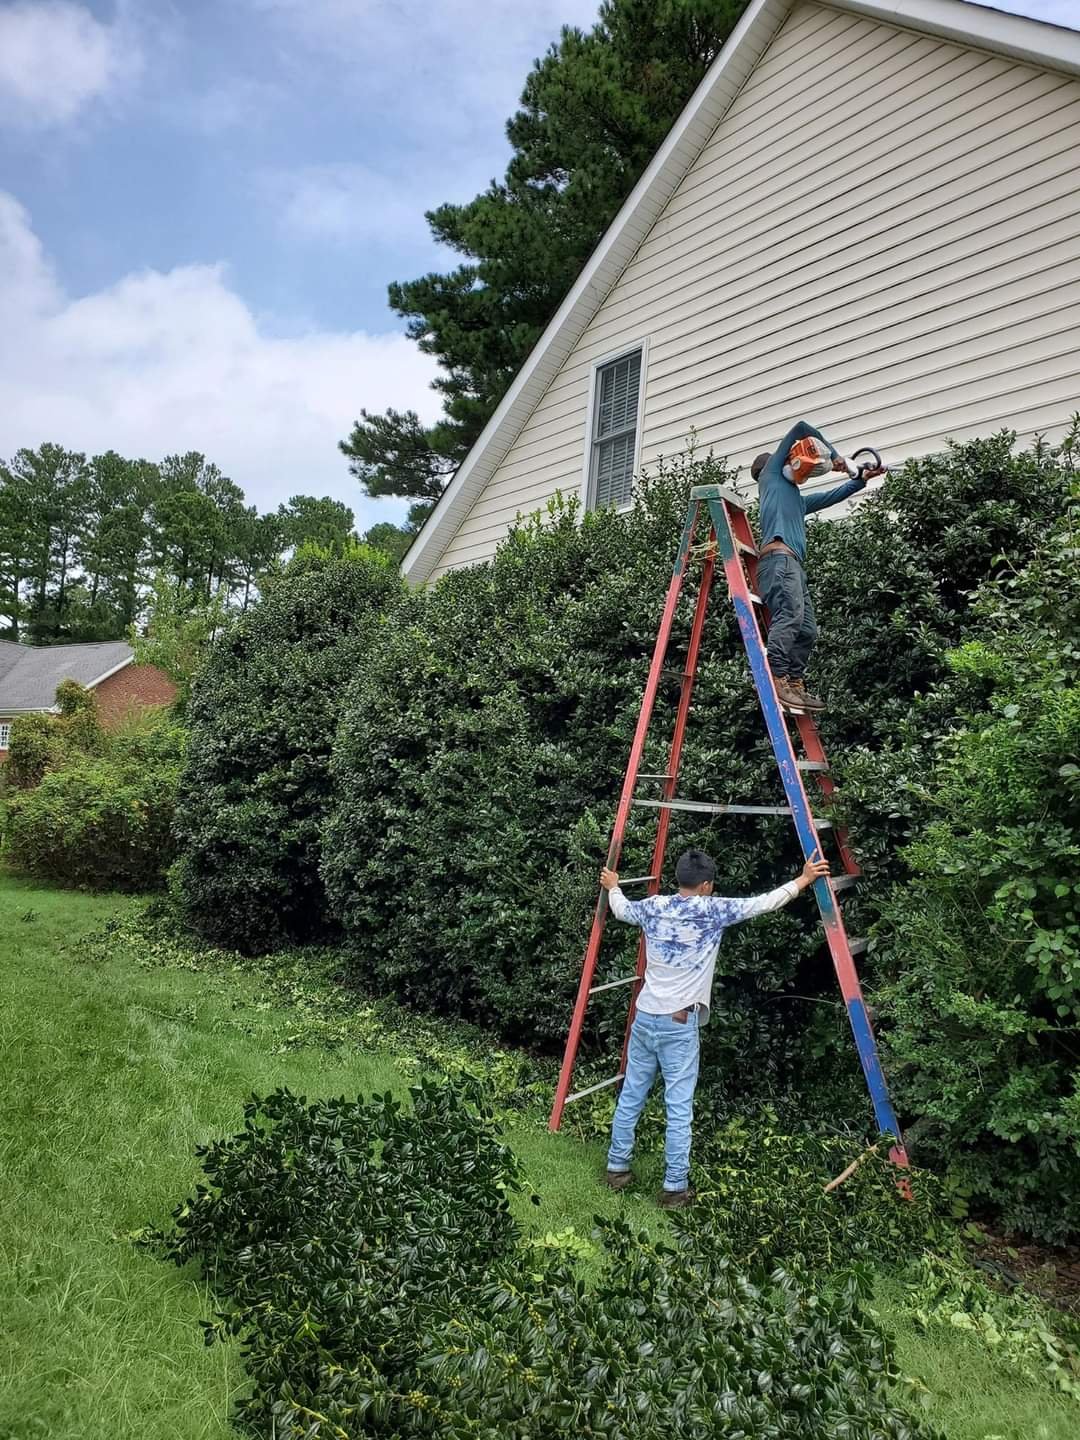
(867, 216)
(29, 675)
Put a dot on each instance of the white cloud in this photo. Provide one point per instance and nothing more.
(56, 58)
(239, 103)
(175, 360)
(345, 203)
(444, 71)
(431, 87)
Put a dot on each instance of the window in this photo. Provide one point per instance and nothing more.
(616, 393)
(5, 734)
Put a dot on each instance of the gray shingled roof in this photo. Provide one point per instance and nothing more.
(29, 674)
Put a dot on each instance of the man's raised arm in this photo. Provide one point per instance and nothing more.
(735, 911)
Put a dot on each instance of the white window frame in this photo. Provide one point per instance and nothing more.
(588, 488)
(5, 734)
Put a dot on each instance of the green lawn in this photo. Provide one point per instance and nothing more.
(113, 1073)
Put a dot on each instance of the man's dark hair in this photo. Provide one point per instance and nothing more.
(759, 464)
(694, 868)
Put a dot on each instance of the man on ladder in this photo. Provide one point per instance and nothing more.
(682, 939)
(802, 453)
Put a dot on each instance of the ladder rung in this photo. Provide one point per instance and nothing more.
(635, 880)
(817, 766)
(745, 549)
(755, 599)
(844, 882)
(592, 1089)
(708, 808)
(612, 984)
(645, 776)
(857, 946)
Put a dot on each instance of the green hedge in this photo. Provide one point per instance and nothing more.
(481, 751)
(480, 754)
(979, 950)
(481, 733)
(262, 716)
(102, 820)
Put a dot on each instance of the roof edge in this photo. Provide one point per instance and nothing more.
(127, 660)
(965, 22)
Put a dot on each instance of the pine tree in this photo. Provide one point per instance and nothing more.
(593, 112)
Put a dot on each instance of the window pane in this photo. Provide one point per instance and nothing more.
(617, 402)
(614, 471)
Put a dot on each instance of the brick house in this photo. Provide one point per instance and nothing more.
(29, 675)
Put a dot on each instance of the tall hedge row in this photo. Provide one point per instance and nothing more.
(479, 730)
(482, 746)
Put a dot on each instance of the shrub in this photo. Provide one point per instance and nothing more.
(366, 1257)
(980, 949)
(40, 743)
(31, 751)
(102, 821)
(481, 750)
(256, 785)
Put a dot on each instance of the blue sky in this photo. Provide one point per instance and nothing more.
(202, 203)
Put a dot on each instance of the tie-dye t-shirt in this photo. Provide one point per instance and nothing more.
(682, 938)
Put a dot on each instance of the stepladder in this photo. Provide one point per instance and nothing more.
(717, 533)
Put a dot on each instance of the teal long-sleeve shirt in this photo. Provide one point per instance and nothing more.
(784, 508)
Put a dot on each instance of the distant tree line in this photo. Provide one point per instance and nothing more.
(82, 539)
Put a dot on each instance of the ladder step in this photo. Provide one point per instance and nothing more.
(635, 880)
(704, 808)
(592, 1089)
(844, 882)
(858, 947)
(820, 767)
(745, 549)
(643, 775)
(755, 599)
(707, 808)
(612, 984)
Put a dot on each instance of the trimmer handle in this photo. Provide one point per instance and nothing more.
(868, 466)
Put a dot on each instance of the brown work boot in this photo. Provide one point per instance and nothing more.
(676, 1199)
(618, 1179)
(788, 696)
(809, 702)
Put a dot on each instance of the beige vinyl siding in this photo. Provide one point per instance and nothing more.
(880, 236)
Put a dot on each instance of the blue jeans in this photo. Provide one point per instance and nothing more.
(792, 625)
(657, 1042)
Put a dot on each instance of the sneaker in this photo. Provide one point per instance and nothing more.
(676, 1199)
(788, 696)
(618, 1179)
(808, 701)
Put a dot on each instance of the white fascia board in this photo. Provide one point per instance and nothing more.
(92, 684)
(965, 22)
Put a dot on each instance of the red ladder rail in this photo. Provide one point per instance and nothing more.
(596, 934)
